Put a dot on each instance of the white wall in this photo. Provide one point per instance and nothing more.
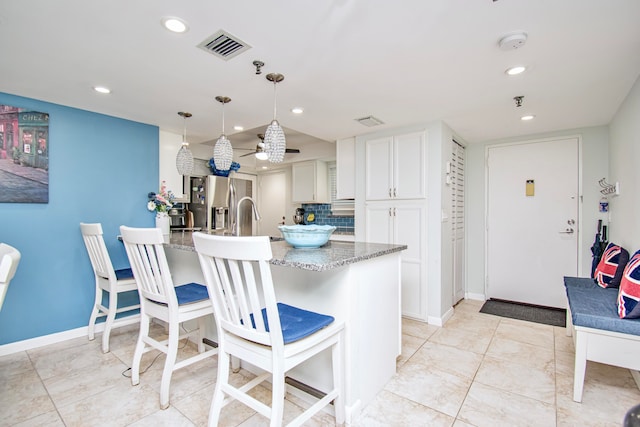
(624, 161)
(595, 145)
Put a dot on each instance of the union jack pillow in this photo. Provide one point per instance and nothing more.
(629, 293)
(611, 266)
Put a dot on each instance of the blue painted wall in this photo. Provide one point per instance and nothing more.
(100, 170)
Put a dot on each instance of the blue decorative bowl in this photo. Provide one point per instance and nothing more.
(306, 236)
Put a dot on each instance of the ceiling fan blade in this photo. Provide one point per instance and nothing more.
(248, 154)
(291, 150)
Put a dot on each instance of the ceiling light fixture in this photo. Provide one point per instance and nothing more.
(175, 25)
(260, 154)
(102, 89)
(238, 128)
(184, 158)
(275, 143)
(514, 71)
(527, 117)
(223, 151)
(297, 110)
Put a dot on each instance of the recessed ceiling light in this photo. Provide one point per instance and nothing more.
(236, 127)
(102, 89)
(174, 24)
(297, 110)
(265, 167)
(527, 117)
(516, 70)
(262, 155)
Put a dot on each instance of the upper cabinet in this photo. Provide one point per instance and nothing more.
(395, 167)
(309, 182)
(345, 168)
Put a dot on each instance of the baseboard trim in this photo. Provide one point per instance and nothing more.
(477, 297)
(29, 344)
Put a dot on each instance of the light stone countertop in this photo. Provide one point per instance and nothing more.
(332, 255)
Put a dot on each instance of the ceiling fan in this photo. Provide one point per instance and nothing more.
(259, 151)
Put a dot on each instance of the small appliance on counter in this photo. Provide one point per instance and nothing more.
(177, 216)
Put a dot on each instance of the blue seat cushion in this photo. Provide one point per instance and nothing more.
(124, 273)
(595, 307)
(191, 292)
(297, 323)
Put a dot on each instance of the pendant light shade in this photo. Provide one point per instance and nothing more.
(274, 140)
(223, 151)
(184, 158)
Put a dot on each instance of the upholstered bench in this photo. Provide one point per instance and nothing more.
(600, 335)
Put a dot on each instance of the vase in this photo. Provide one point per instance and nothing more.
(163, 223)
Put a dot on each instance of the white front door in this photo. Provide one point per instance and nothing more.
(532, 214)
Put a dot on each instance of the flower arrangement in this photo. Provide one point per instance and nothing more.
(212, 165)
(162, 201)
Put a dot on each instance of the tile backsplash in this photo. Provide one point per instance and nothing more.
(323, 216)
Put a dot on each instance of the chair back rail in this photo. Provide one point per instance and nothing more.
(98, 255)
(229, 265)
(149, 264)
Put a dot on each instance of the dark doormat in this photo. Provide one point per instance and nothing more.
(532, 313)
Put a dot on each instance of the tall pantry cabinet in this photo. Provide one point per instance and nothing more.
(396, 208)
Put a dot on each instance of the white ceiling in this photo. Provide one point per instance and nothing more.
(405, 62)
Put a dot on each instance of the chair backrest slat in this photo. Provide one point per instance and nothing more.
(238, 276)
(144, 247)
(98, 255)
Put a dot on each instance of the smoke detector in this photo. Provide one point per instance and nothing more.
(512, 41)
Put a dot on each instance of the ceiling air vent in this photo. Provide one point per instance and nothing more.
(369, 121)
(224, 45)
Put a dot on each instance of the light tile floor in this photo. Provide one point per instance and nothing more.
(477, 370)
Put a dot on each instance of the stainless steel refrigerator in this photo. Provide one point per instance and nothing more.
(213, 203)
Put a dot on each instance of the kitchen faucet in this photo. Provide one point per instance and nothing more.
(256, 214)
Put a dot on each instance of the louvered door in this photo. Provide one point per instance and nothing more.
(457, 219)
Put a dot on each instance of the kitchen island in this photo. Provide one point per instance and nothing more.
(358, 283)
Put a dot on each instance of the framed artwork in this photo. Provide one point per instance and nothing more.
(24, 155)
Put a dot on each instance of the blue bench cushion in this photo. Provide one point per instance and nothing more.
(124, 273)
(595, 307)
(297, 323)
(629, 295)
(609, 271)
(191, 292)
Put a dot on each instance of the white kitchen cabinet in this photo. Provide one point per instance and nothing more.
(309, 182)
(403, 222)
(346, 168)
(395, 167)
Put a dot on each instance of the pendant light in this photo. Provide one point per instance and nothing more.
(274, 140)
(223, 151)
(184, 158)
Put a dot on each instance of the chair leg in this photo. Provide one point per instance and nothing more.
(201, 324)
(137, 355)
(94, 314)
(277, 395)
(111, 317)
(338, 381)
(218, 394)
(580, 366)
(172, 352)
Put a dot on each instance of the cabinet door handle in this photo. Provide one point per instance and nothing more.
(394, 191)
(389, 211)
(389, 191)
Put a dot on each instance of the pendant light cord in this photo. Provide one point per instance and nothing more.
(223, 118)
(184, 131)
(274, 100)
